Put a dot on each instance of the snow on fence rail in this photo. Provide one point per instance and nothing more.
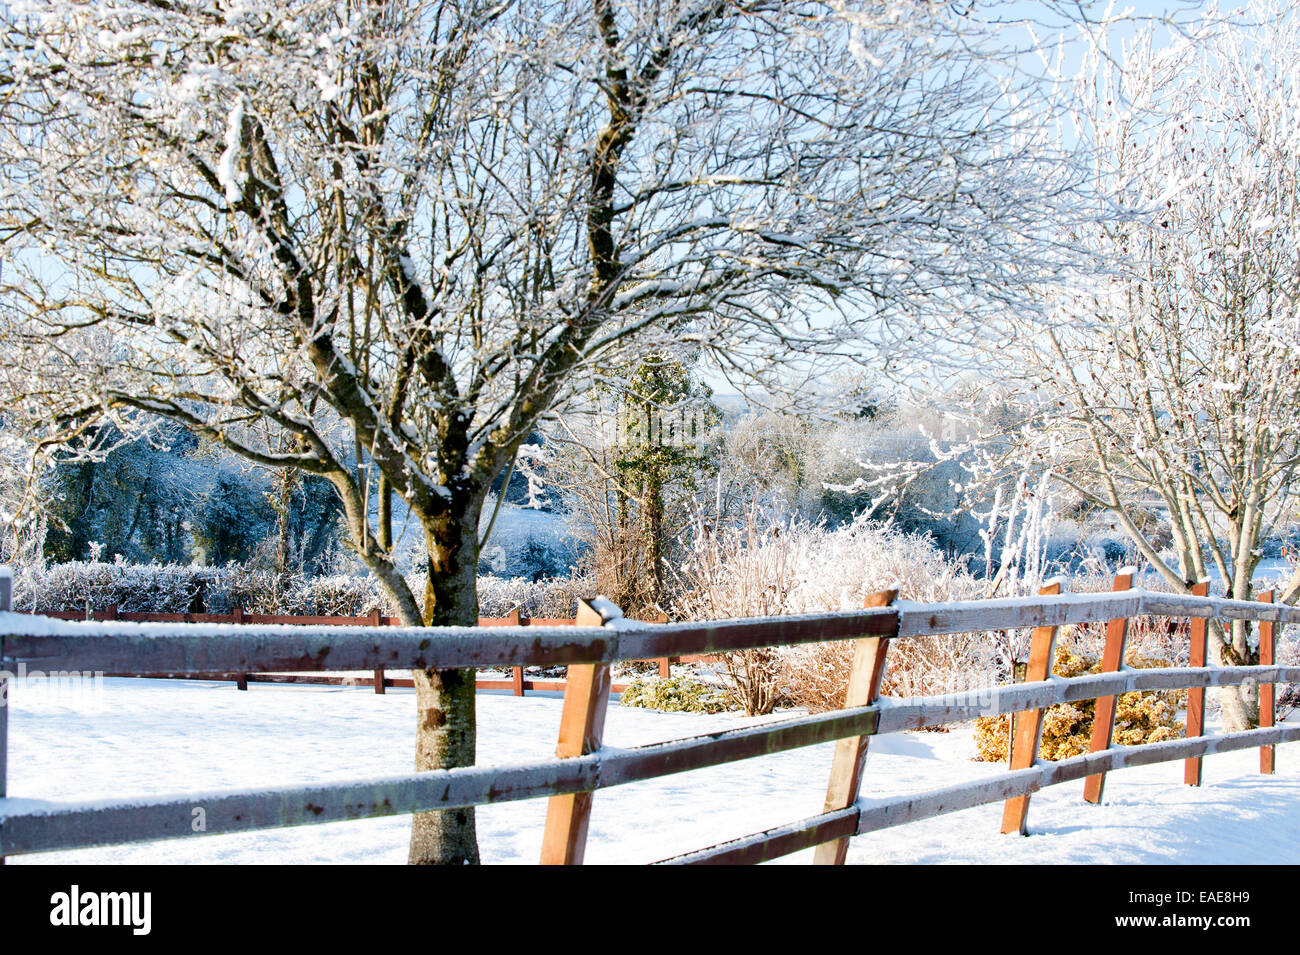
(600, 637)
(518, 682)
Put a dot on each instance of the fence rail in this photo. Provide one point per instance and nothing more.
(583, 767)
(519, 682)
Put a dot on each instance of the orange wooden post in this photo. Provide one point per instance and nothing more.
(241, 679)
(1266, 631)
(515, 619)
(377, 621)
(665, 663)
(1028, 724)
(1112, 659)
(1196, 695)
(582, 725)
(851, 753)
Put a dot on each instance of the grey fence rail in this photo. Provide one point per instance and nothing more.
(601, 637)
(519, 683)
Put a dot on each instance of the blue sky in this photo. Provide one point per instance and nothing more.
(1050, 27)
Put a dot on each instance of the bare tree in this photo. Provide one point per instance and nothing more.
(1170, 390)
(397, 230)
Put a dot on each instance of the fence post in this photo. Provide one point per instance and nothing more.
(1196, 695)
(515, 619)
(6, 604)
(850, 759)
(582, 725)
(1112, 660)
(1027, 732)
(1266, 632)
(377, 620)
(241, 679)
(665, 663)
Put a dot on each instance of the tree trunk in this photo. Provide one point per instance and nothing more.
(653, 518)
(1238, 705)
(445, 701)
(288, 477)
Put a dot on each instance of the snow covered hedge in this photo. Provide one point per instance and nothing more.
(176, 588)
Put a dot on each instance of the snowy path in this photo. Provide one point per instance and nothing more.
(144, 736)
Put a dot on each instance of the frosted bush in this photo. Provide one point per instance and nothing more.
(555, 597)
(795, 566)
(1149, 716)
(176, 588)
(335, 595)
(142, 588)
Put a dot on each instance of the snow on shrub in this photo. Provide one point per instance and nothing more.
(679, 694)
(796, 566)
(141, 588)
(555, 597)
(176, 588)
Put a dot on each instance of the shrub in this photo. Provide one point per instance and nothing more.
(816, 676)
(675, 695)
(754, 679)
(1140, 717)
(554, 597)
(763, 568)
(538, 559)
(795, 566)
(177, 588)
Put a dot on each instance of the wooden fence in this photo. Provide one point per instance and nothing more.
(582, 767)
(519, 683)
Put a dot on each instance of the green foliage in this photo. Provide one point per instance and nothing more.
(666, 440)
(230, 520)
(167, 500)
(665, 422)
(678, 694)
(131, 503)
(314, 528)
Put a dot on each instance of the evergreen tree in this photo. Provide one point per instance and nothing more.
(667, 423)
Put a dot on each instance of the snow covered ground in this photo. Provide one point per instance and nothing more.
(515, 529)
(145, 736)
(1271, 572)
